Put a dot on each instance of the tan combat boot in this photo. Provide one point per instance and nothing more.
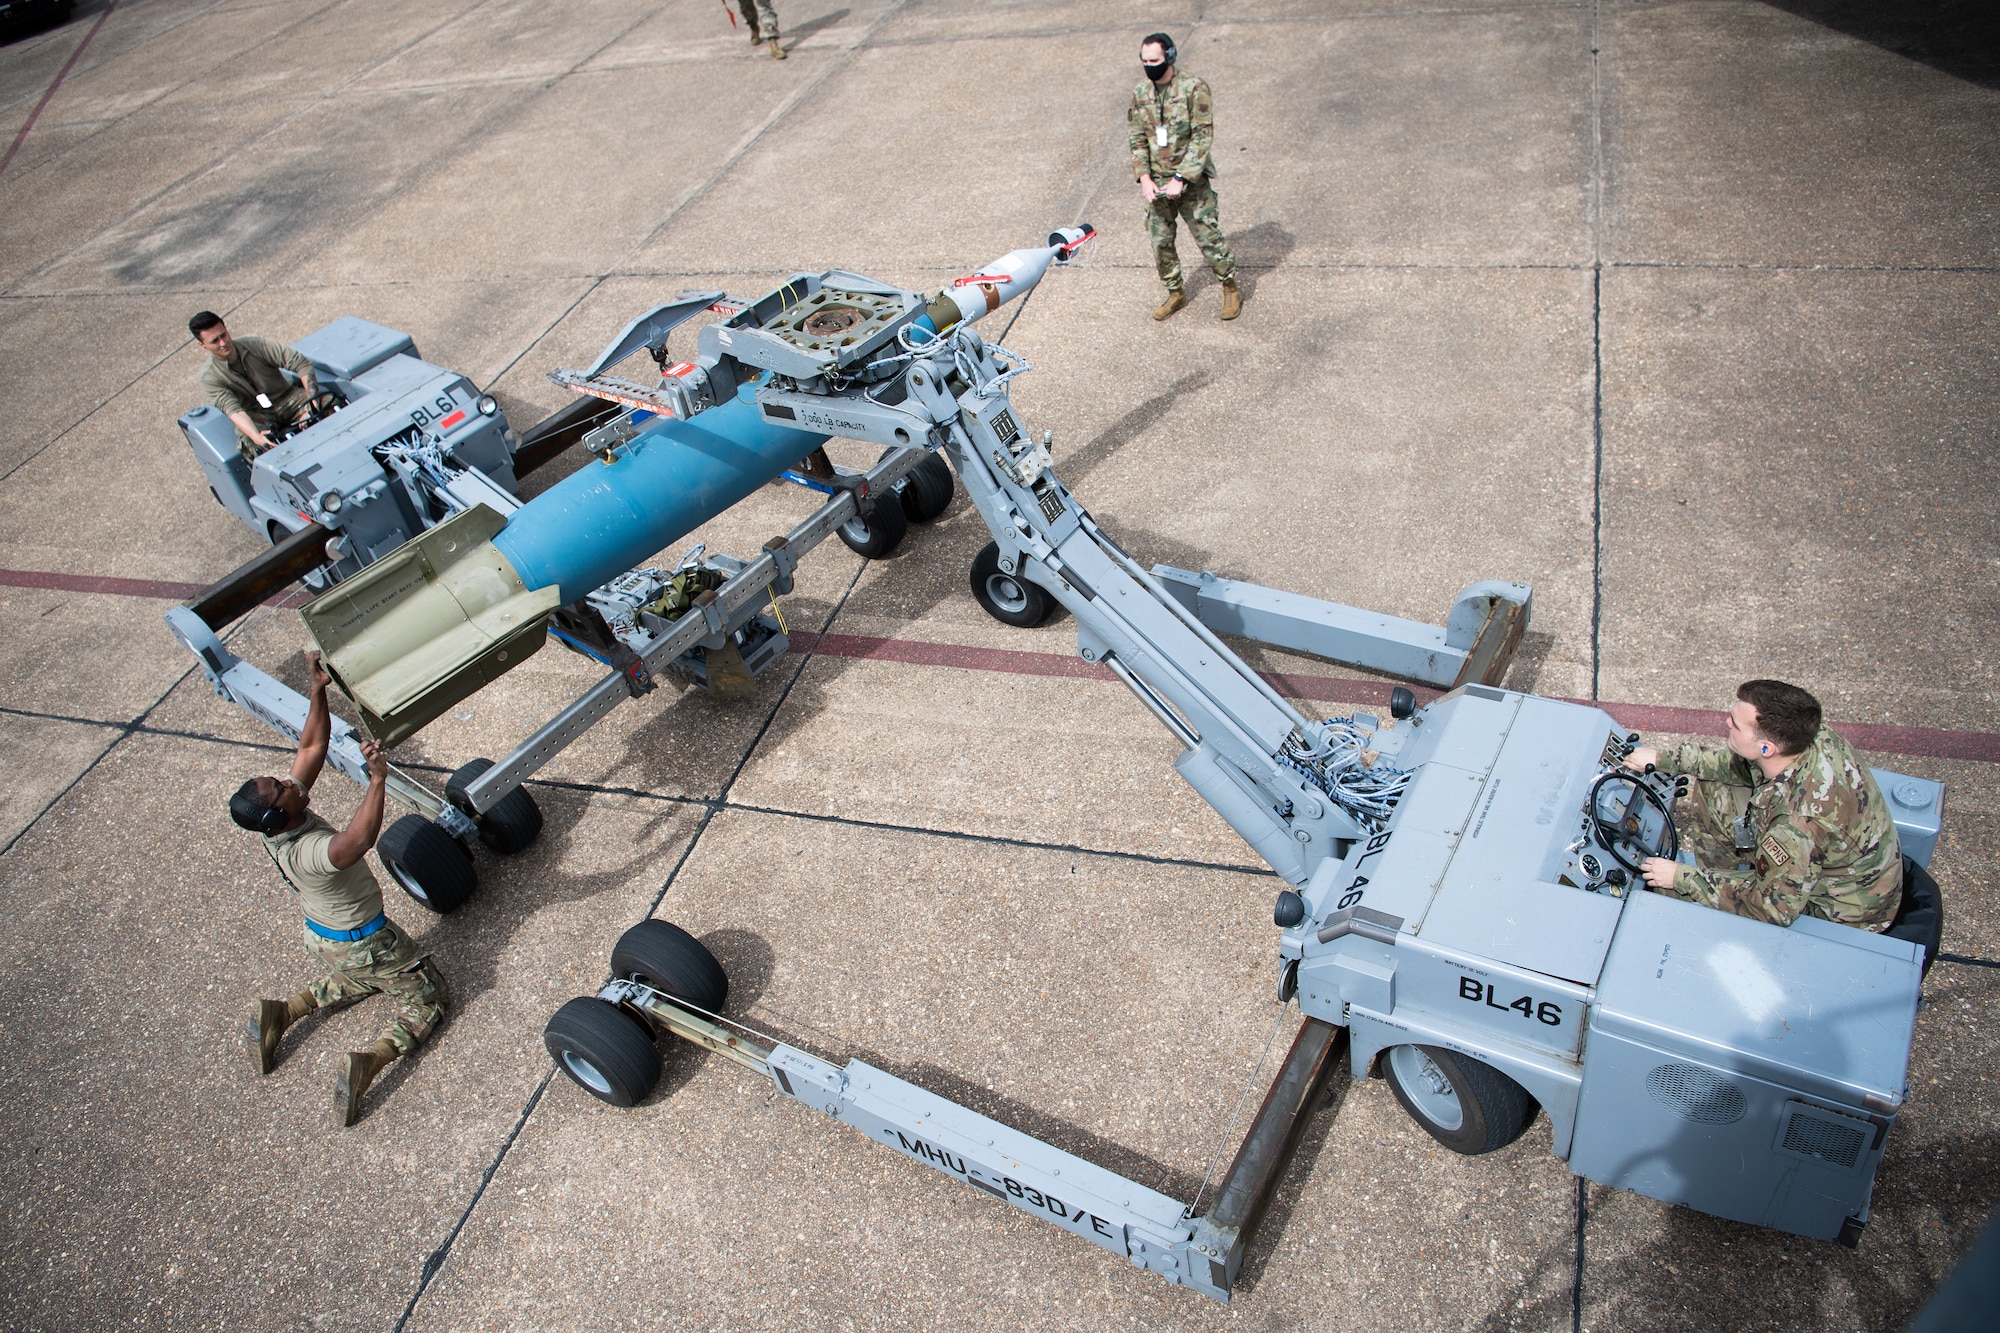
(1232, 300)
(353, 1081)
(777, 50)
(1176, 298)
(268, 1024)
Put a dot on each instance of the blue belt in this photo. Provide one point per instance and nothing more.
(360, 932)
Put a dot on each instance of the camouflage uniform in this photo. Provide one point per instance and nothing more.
(762, 16)
(257, 368)
(1816, 839)
(1183, 106)
(385, 963)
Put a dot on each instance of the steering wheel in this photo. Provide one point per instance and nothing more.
(321, 406)
(1623, 826)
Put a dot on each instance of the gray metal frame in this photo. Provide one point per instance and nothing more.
(1451, 890)
(283, 709)
(1486, 621)
(370, 478)
(734, 604)
(413, 443)
(709, 625)
(1148, 1228)
(1466, 909)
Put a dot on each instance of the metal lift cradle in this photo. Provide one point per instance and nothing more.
(426, 852)
(1458, 912)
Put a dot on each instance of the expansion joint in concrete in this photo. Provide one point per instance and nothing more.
(435, 1260)
(125, 729)
(1576, 1278)
(799, 96)
(235, 151)
(1596, 373)
(1596, 482)
(990, 839)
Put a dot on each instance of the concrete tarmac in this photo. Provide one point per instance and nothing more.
(1687, 314)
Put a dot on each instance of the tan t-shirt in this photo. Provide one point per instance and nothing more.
(338, 899)
(233, 385)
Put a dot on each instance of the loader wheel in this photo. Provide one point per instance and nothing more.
(1467, 1106)
(428, 863)
(605, 1051)
(877, 532)
(1009, 600)
(927, 490)
(661, 955)
(514, 822)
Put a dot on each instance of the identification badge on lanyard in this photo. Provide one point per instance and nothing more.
(1159, 136)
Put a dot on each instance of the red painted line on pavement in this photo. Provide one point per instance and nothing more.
(61, 74)
(35, 578)
(1930, 742)
(155, 589)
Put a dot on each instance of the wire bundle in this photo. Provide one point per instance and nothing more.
(1342, 765)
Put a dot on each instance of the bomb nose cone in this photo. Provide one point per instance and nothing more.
(1067, 240)
(1013, 274)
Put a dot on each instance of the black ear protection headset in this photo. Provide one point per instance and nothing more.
(250, 813)
(1163, 41)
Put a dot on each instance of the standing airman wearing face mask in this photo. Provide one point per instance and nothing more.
(1172, 133)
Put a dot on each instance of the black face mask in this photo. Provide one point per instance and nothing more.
(1156, 72)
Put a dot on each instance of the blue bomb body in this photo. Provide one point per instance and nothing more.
(608, 517)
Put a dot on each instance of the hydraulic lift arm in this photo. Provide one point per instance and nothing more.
(1299, 791)
(1486, 936)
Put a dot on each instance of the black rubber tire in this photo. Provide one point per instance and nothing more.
(604, 1050)
(661, 955)
(878, 532)
(927, 490)
(1494, 1109)
(1009, 600)
(514, 822)
(428, 862)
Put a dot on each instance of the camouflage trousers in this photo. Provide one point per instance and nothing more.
(385, 963)
(282, 413)
(1706, 821)
(1196, 207)
(761, 15)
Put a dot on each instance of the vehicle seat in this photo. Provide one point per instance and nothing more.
(1920, 917)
